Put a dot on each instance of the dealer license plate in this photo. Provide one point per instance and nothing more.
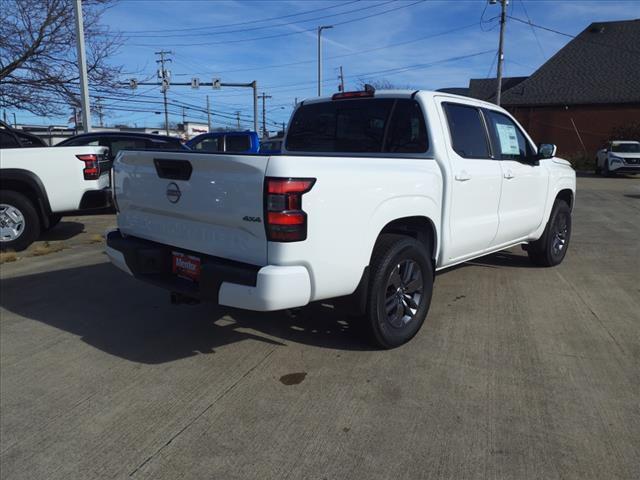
(186, 266)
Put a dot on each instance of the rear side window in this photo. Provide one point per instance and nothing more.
(7, 140)
(358, 126)
(163, 145)
(237, 143)
(123, 144)
(209, 145)
(82, 142)
(468, 134)
(407, 132)
(509, 143)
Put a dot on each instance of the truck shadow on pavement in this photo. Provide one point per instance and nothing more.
(63, 231)
(124, 317)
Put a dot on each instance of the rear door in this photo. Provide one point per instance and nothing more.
(476, 183)
(206, 203)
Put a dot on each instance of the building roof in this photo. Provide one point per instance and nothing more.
(600, 65)
(485, 88)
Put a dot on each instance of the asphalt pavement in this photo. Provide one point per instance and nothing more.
(518, 373)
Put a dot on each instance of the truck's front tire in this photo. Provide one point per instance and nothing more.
(400, 288)
(19, 223)
(549, 250)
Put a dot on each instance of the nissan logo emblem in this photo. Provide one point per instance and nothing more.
(173, 192)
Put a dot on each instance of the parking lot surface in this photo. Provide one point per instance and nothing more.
(519, 372)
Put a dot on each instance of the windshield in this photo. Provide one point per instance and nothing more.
(358, 126)
(626, 147)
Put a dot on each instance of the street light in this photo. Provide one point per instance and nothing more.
(324, 27)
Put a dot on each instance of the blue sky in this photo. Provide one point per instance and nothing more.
(429, 44)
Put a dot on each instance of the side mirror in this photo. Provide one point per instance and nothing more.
(547, 150)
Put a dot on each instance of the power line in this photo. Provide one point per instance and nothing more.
(360, 52)
(286, 34)
(533, 30)
(279, 17)
(313, 19)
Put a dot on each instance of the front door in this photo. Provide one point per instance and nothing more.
(524, 181)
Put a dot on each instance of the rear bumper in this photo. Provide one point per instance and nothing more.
(96, 199)
(222, 281)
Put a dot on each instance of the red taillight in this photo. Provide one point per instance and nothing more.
(285, 219)
(91, 168)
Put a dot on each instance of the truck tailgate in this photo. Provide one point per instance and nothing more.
(207, 203)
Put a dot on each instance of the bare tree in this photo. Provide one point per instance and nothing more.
(381, 84)
(38, 65)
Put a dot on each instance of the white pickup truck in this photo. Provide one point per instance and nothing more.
(373, 192)
(39, 185)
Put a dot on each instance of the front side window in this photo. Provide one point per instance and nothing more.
(358, 126)
(509, 143)
(468, 134)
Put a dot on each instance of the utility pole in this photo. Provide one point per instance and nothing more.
(254, 85)
(264, 97)
(341, 78)
(208, 114)
(99, 111)
(238, 118)
(503, 21)
(15, 123)
(82, 66)
(164, 76)
(183, 118)
(324, 27)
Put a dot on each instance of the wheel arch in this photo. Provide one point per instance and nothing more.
(30, 185)
(566, 194)
(419, 227)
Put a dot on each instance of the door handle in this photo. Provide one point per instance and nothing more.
(463, 176)
(509, 175)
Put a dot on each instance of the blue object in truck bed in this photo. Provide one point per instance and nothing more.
(232, 142)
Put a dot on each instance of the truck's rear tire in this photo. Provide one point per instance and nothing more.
(400, 287)
(19, 223)
(550, 249)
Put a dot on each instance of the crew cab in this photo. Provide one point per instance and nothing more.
(618, 156)
(39, 185)
(372, 194)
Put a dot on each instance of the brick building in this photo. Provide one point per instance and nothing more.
(582, 93)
